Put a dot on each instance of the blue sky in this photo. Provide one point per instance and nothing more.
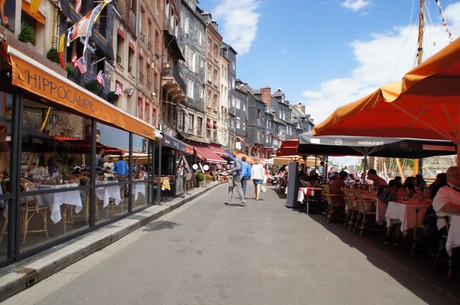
(327, 53)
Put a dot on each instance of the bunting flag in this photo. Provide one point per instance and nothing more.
(100, 78)
(84, 27)
(61, 50)
(34, 5)
(78, 6)
(81, 65)
(118, 89)
(73, 61)
(444, 20)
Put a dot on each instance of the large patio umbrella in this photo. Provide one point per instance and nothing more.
(425, 104)
(373, 146)
(287, 152)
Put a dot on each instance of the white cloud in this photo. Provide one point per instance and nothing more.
(239, 21)
(355, 5)
(382, 60)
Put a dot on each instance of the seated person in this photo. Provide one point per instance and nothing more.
(410, 187)
(337, 186)
(389, 193)
(447, 199)
(313, 177)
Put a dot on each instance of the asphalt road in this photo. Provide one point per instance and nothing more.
(208, 253)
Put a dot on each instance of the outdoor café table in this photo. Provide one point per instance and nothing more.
(55, 200)
(453, 236)
(409, 213)
(107, 192)
(308, 192)
(138, 188)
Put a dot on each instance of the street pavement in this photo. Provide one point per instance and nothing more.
(204, 252)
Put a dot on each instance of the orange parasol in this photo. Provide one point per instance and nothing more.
(425, 104)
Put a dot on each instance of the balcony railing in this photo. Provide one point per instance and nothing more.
(171, 72)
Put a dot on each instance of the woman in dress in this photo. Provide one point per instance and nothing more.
(257, 176)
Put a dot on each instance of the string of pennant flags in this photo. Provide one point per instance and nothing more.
(444, 20)
(82, 28)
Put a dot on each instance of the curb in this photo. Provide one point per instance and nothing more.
(28, 272)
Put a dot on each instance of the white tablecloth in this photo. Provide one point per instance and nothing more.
(55, 200)
(138, 188)
(107, 192)
(453, 237)
(405, 214)
(306, 190)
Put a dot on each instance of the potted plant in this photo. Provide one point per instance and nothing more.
(71, 70)
(94, 86)
(112, 97)
(52, 55)
(200, 178)
(27, 35)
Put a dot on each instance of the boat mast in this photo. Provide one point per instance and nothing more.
(421, 24)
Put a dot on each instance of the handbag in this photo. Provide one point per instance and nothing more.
(263, 188)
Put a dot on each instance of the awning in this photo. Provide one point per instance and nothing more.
(38, 79)
(37, 16)
(216, 126)
(217, 149)
(205, 153)
(208, 123)
(173, 143)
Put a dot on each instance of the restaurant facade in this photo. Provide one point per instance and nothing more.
(57, 182)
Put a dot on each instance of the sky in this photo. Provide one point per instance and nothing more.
(328, 53)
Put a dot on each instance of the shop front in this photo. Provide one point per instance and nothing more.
(66, 159)
(171, 151)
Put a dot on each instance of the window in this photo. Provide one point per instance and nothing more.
(191, 122)
(238, 123)
(190, 88)
(120, 47)
(199, 126)
(181, 120)
(131, 59)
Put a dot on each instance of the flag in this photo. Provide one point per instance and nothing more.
(78, 6)
(34, 5)
(118, 89)
(73, 61)
(61, 50)
(100, 78)
(92, 20)
(84, 27)
(81, 65)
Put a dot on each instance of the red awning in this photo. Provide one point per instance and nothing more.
(205, 153)
(217, 149)
(209, 124)
(215, 125)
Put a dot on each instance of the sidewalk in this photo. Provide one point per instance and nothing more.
(26, 273)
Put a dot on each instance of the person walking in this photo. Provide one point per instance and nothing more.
(245, 174)
(257, 176)
(236, 180)
(180, 177)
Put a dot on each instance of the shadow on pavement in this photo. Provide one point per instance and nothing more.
(398, 263)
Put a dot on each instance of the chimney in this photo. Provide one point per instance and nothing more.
(266, 96)
(302, 108)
